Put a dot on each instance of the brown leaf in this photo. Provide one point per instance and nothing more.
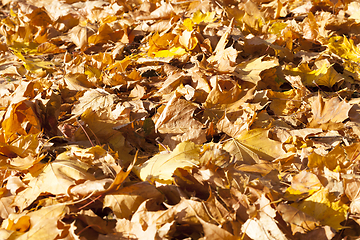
(215, 232)
(295, 216)
(125, 201)
(330, 111)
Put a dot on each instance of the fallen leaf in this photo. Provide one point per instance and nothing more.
(250, 70)
(294, 216)
(303, 185)
(161, 167)
(55, 178)
(330, 111)
(254, 145)
(125, 201)
(320, 206)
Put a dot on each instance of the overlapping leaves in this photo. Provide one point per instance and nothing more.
(195, 119)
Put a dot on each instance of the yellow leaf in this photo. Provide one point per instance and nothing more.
(55, 178)
(23, 120)
(35, 65)
(92, 72)
(277, 27)
(22, 224)
(344, 48)
(188, 24)
(325, 75)
(332, 160)
(252, 145)
(161, 167)
(172, 52)
(302, 185)
(119, 65)
(322, 207)
(199, 17)
(250, 70)
(102, 36)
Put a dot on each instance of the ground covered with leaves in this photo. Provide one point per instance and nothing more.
(198, 119)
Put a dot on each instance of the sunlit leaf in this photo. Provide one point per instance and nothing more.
(250, 70)
(172, 52)
(55, 178)
(253, 145)
(302, 185)
(161, 167)
(199, 17)
(324, 208)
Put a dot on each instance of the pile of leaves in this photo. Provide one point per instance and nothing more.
(204, 119)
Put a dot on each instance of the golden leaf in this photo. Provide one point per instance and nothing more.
(161, 167)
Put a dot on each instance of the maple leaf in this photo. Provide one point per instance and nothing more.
(302, 185)
(161, 167)
(33, 225)
(253, 145)
(294, 216)
(184, 119)
(250, 70)
(54, 178)
(125, 201)
(323, 208)
(264, 226)
(330, 111)
(324, 75)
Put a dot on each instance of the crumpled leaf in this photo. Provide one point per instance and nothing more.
(35, 226)
(223, 93)
(264, 226)
(22, 119)
(54, 178)
(351, 191)
(344, 48)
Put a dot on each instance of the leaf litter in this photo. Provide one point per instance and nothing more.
(179, 119)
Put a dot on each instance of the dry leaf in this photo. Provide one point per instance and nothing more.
(161, 167)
